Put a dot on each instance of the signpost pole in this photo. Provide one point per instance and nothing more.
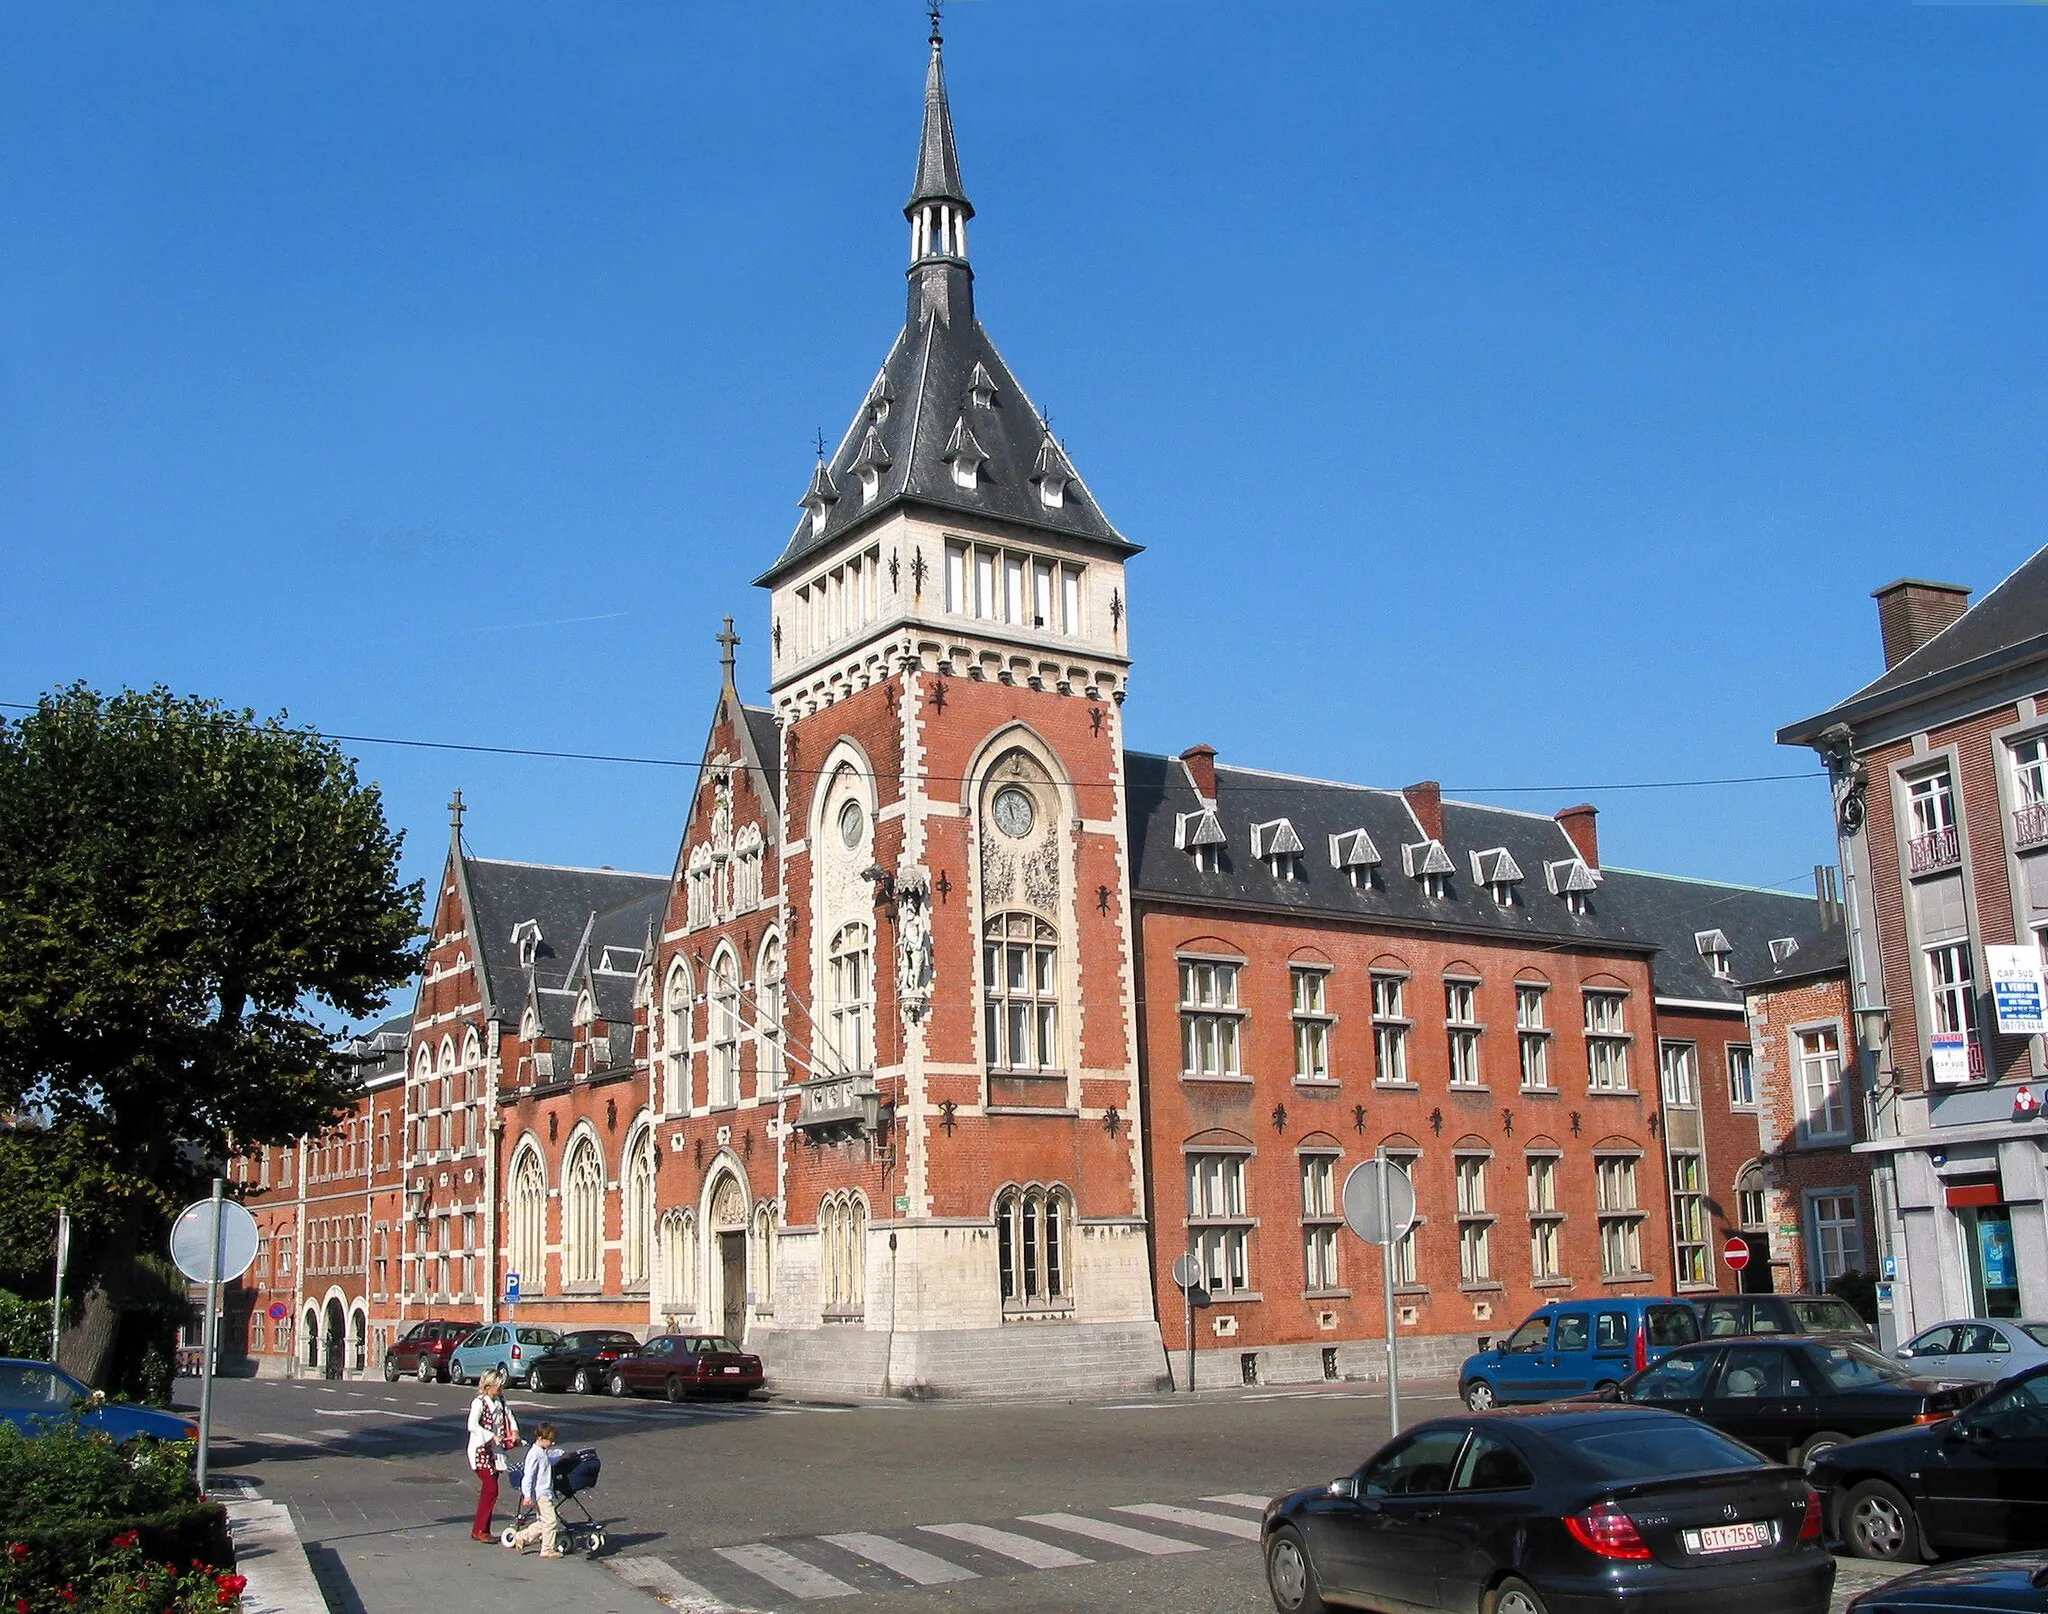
(1187, 1294)
(57, 1297)
(1387, 1243)
(207, 1346)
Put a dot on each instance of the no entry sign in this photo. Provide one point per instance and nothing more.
(1736, 1253)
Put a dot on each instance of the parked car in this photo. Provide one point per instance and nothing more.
(1975, 1348)
(1579, 1507)
(583, 1361)
(2016, 1581)
(1977, 1482)
(36, 1396)
(1793, 1398)
(424, 1350)
(678, 1365)
(1573, 1346)
(511, 1348)
(1727, 1316)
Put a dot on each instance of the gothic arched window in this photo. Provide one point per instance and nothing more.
(637, 1234)
(675, 1286)
(1020, 985)
(764, 1256)
(1034, 1227)
(583, 1215)
(768, 1016)
(725, 1032)
(527, 1245)
(849, 985)
(1751, 1199)
(675, 1096)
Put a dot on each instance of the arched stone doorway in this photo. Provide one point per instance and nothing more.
(358, 1341)
(333, 1340)
(728, 1219)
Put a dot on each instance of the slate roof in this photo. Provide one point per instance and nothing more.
(767, 740)
(1629, 910)
(579, 911)
(1826, 955)
(1669, 912)
(925, 392)
(1158, 791)
(381, 1051)
(2008, 623)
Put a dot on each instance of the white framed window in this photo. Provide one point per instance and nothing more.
(843, 1238)
(1950, 987)
(1219, 1225)
(1461, 1031)
(636, 1247)
(1933, 842)
(1607, 1042)
(1320, 1221)
(1311, 1024)
(1837, 1234)
(1620, 1213)
(1475, 1222)
(1752, 1205)
(1689, 1220)
(1020, 975)
(1389, 1028)
(1209, 1018)
(1678, 1074)
(725, 1033)
(675, 1087)
(1034, 1228)
(1532, 1035)
(1015, 587)
(1545, 1222)
(1741, 1076)
(2029, 762)
(1407, 1261)
(768, 1012)
(850, 977)
(582, 1219)
(1823, 1104)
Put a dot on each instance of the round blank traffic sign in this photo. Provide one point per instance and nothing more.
(1362, 1201)
(192, 1246)
(1185, 1272)
(1736, 1253)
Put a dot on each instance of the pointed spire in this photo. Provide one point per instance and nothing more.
(938, 163)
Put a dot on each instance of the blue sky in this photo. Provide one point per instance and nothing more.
(1506, 395)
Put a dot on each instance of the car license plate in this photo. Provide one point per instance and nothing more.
(1731, 1537)
(728, 1370)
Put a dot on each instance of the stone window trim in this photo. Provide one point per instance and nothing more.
(1805, 1134)
(1313, 1027)
(1938, 847)
(1745, 1051)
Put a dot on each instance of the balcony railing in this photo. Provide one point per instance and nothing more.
(2030, 826)
(1938, 850)
(837, 1104)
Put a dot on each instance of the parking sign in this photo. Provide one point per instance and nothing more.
(511, 1288)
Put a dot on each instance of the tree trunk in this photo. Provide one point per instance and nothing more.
(92, 1335)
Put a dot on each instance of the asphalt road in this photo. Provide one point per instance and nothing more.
(773, 1505)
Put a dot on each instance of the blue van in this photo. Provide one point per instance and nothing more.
(1572, 1346)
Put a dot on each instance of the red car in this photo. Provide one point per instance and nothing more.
(425, 1349)
(678, 1365)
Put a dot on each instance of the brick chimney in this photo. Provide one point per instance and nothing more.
(1581, 831)
(1426, 802)
(1912, 611)
(1200, 761)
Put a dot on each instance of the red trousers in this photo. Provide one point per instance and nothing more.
(488, 1477)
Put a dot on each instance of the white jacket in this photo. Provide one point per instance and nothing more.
(480, 1435)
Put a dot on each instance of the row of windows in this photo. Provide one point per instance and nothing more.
(1220, 1222)
(1022, 590)
(1212, 1028)
(737, 1010)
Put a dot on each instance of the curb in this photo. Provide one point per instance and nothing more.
(268, 1552)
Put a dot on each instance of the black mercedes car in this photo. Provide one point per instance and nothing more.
(1793, 1398)
(2016, 1583)
(1977, 1482)
(1554, 1510)
(583, 1361)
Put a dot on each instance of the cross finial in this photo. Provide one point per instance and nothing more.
(455, 813)
(726, 642)
(820, 445)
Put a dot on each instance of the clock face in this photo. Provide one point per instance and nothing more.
(850, 823)
(1014, 813)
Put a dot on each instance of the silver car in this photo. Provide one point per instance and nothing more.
(1977, 1349)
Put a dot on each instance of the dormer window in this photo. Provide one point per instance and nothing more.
(1428, 862)
(820, 498)
(1050, 474)
(1277, 845)
(878, 403)
(1783, 947)
(526, 938)
(1497, 870)
(869, 465)
(1200, 834)
(981, 388)
(1352, 851)
(618, 961)
(1716, 949)
(1573, 879)
(965, 456)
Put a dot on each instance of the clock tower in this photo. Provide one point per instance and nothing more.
(960, 1148)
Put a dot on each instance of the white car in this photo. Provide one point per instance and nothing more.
(1977, 1348)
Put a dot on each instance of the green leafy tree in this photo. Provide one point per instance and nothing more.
(188, 899)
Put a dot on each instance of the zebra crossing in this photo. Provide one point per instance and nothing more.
(791, 1572)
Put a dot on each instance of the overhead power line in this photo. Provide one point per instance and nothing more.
(624, 759)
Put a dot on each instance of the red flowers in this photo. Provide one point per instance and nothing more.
(127, 1539)
(17, 1551)
(233, 1585)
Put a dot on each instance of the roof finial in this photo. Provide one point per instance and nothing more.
(936, 8)
(726, 643)
(455, 816)
(820, 446)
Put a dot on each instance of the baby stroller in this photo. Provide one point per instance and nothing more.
(575, 1473)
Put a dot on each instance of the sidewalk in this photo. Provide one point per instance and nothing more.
(438, 1567)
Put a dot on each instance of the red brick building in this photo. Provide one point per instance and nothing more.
(955, 1022)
